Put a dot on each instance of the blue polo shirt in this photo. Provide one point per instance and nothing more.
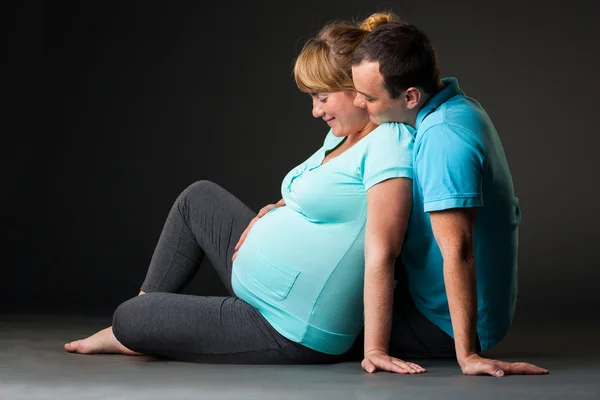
(459, 162)
(302, 265)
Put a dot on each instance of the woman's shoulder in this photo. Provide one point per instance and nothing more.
(394, 130)
(392, 135)
(388, 154)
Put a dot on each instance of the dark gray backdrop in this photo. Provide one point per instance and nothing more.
(120, 106)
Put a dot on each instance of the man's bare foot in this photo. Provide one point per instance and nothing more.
(103, 341)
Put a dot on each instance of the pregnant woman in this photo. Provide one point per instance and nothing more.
(307, 272)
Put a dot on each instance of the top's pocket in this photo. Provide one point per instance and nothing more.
(274, 281)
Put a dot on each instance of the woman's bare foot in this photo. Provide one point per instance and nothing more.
(103, 341)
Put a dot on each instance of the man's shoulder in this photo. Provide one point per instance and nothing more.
(458, 111)
(460, 116)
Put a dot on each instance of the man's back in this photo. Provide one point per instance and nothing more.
(459, 162)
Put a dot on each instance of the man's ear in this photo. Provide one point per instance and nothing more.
(412, 96)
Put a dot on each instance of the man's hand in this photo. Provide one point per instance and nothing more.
(379, 360)
(476, 365)
(260, 214)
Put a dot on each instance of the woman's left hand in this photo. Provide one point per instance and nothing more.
(381, 361)
(263, 211)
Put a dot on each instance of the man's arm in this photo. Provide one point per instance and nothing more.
(453, 231)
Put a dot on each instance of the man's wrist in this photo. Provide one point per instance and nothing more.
(375, 351)
(464, 348)
(464, 356)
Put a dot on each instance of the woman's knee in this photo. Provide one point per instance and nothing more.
(200, 191)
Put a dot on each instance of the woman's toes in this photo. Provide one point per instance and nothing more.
(85, 347)
(79, 346)
(72, 346)
(103, 341)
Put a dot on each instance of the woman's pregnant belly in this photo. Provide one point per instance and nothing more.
(287, 260)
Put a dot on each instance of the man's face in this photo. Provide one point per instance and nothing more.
(373, 96)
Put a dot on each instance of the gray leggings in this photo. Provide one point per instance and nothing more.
(205, 220)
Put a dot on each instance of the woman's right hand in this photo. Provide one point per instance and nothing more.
(260, 214)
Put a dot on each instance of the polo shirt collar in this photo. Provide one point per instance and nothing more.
(450, 90)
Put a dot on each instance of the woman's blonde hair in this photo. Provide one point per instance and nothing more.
(325, 62)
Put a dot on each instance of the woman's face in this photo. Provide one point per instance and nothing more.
(339, 112)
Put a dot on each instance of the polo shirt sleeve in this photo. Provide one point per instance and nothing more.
(388, 155)
(449, 162)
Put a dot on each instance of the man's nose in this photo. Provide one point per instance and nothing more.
(359, 100)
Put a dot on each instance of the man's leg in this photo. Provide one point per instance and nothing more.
(413, 335)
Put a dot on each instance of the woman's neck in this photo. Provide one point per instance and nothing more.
(355, 137)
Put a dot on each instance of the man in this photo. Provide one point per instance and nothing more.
(460, 251)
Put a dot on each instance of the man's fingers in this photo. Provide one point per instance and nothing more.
(234, 256)
(531, 369)
(417, 367)
(409, 367)
(368, 366)
(478, 366)
(397, 367)
(522, 368)
(493, 369)
(402, 366)
(484, 368)
(390, 366)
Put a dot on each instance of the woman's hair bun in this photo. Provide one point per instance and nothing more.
(374, 20)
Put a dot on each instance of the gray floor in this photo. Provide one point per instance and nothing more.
(33, 365)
